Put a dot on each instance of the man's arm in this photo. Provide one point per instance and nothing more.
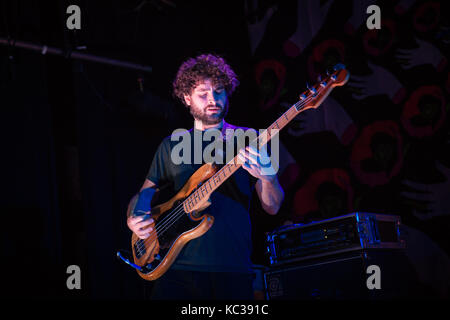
(132, 203)
(268, 188)
(139, 224)
(270, 193)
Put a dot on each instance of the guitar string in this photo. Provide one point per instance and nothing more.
(178, 212)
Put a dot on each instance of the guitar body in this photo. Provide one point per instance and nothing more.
(157, 253)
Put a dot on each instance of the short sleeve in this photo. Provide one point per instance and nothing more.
(158, 171)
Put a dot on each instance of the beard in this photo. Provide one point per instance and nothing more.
(209, 119)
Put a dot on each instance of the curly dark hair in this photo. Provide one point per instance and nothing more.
(205, 66)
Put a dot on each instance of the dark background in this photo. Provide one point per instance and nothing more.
(78, 136)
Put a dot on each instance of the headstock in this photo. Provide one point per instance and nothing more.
(314, 96)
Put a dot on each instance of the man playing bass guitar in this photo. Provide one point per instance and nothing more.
(216, 265)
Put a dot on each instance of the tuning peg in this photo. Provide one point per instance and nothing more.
(339, 66)
(311, 89)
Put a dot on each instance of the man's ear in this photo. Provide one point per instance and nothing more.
(187, 99)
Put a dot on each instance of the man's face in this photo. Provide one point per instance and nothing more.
(207, 102)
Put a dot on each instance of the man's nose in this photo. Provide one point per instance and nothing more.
(211, 98)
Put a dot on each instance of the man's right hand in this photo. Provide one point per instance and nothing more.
(140, 225)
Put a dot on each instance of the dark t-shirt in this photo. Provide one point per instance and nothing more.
(226, 246)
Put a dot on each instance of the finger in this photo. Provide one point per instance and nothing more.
(252, 150)
(143, 236)
(262, 153)
(139, 219)
(246, 165)
(357, 80)
(355, 89)
(241, 158)
(417, 196)
(250, 158)
(419, 42)
(360, 95)
(371, 65)
(415, 185)
(401, 52)
(423, 215)
(443, 169)
(402, 60)
(260, 156)
(143, 224)
(146, 216)
(134, 220)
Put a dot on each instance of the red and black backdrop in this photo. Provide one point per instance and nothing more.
(78, 136)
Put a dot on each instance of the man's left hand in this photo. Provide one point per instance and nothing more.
(258, 164)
